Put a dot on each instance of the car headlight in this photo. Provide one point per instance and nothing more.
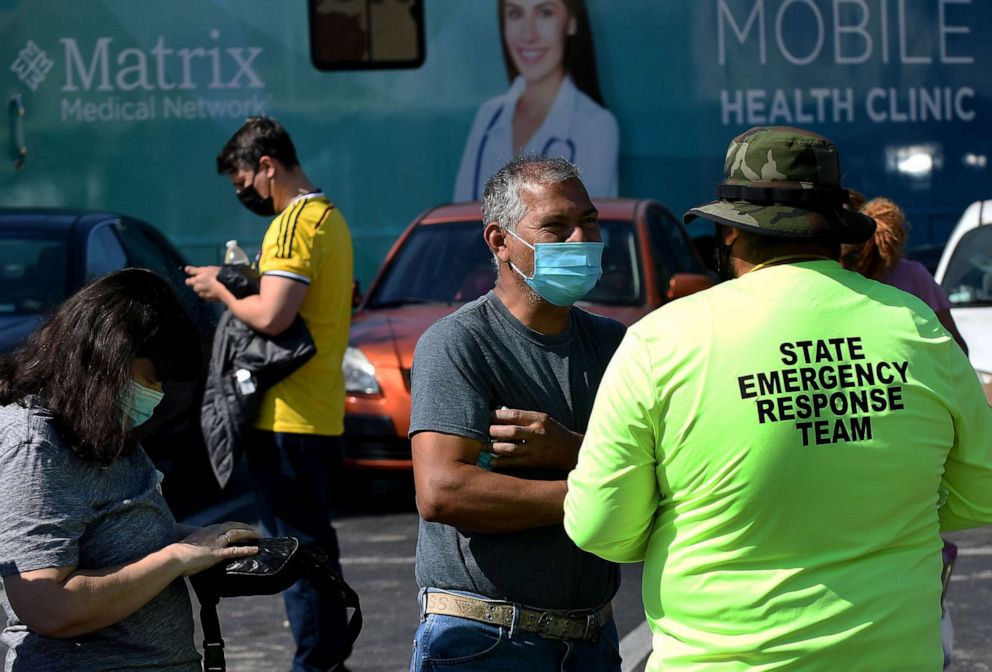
(359, 373)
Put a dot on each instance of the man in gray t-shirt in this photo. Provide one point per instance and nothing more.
(502, 391)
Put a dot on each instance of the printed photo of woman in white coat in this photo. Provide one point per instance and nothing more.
(554, 106)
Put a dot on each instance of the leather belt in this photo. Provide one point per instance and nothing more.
(547, 624)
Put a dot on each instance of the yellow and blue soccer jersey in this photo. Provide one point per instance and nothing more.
(309, 242)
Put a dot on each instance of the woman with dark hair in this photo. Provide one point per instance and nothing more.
(90, 555)
(880, 258)
(554, 107)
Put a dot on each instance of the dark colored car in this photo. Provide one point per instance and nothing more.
(441, 261)
(46, 255)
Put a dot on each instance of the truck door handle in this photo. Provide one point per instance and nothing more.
(17, 130)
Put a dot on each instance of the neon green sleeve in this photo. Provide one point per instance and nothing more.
(968, 469)
(613, 492)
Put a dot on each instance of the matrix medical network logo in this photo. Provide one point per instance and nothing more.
(111, 79)
(32, 65)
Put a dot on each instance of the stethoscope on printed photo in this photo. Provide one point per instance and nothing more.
(552, 143)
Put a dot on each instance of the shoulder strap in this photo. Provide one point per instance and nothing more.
(213, 643)
(327, 579)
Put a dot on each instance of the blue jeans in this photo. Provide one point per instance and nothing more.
(450, 643)
(291, 474)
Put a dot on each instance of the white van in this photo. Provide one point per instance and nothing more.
(965, 273)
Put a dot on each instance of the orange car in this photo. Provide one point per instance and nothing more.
(441, 261)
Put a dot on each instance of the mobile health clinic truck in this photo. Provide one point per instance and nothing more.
(397, 105)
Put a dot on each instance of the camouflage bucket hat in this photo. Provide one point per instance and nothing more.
(785, 182)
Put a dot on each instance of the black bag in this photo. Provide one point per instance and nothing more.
(280, 562)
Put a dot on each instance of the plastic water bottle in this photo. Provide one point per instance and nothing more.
(245, 381)
(234, 255)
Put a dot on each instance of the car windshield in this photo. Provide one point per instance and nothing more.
(33, 272)
(968, 278)
(450, 263)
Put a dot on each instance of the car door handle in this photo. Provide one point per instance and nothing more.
(17, 130)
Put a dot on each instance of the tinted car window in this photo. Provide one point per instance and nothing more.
(621, 281)
(33, 272)
(968, 278)
(450, 263)
(671, 249)
(147, 252)
(147, 248)
(442, 263)
(104, 253)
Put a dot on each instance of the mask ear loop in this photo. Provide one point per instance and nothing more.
(723, 255)
(514, 266)
(521, 240)
(257, 171)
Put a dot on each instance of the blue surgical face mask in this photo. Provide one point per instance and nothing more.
(563, 272)
(137, 403)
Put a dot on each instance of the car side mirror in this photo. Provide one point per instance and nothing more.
(356, 294)
(684, 284)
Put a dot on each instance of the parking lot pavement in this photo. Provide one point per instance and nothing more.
(970, 600)
(377, 551)
(377, 559)
(378, 538)
(378, 543)
(378, 546)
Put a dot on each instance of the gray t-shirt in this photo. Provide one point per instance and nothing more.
(59, 511)
(470, 363)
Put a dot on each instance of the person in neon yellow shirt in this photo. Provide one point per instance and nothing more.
(783, 450)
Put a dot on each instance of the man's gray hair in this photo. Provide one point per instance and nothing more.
(501, 200)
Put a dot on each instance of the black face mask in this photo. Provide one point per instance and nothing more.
(251, 199)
